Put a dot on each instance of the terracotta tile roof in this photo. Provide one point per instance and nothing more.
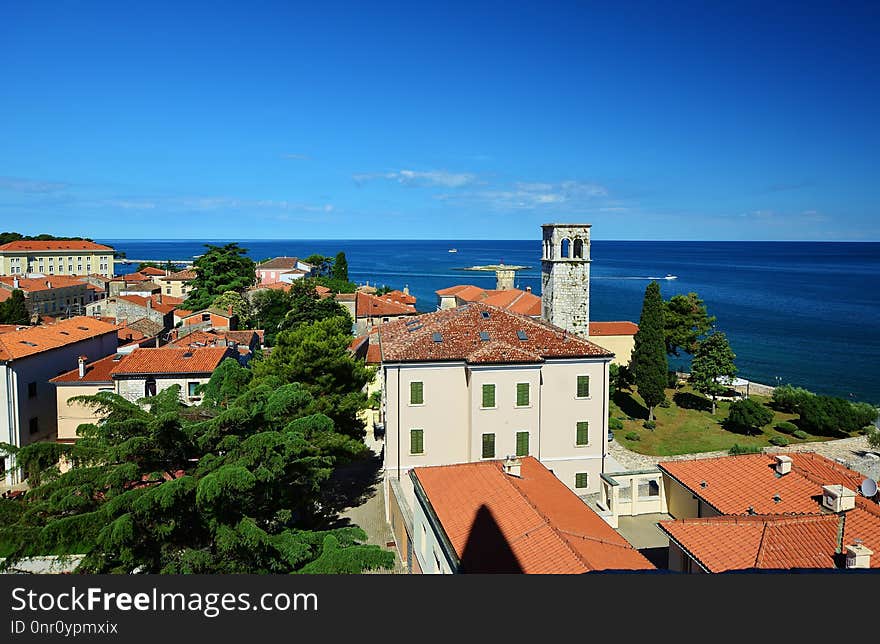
(172, 360)
(322, 291)
(368, 305)
(613, 328)
(735, 483)
(33, 284)
(146, 327)
(54, 245)
(180, 276)
(151, 270)
(97, 371)
(6, 328)
(36, 339)
(212, 311)
(542, 526)
(758, 542)
(4, 294)
(278, 263)
(133, 277)
(346, 297)
(400, 296)
(515, 300)
(142, 287)
(863, 522)
(459, 330)
(465, 292)
(182, 313)
(244, 338)
(162, 307)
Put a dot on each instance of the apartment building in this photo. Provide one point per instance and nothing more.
(56, 257)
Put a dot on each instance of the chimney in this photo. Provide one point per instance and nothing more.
(783, 464)
(838, 498)
(512, 465)
(150, 303)
(528, 289)
(159, 297)
(406, 289)
(858, 556)
(15, 282)
(48, 284)
(82, 366)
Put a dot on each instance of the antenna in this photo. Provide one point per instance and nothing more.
(868, 488)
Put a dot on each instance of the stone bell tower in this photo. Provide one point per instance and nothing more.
(565, 277)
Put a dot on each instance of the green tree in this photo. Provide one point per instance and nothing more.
(241, 306)
(14, 310)
(227, 383)
(317, 355)
(340, 268)
(306, 307)
(713, 362)
(155, 493)
(268, 310)
(874, 437)
(789, 399)
(322, 263)
(220, 269)
(828, 415)
(648, 363)
(167, 265)
(748, 416)
(685, 322)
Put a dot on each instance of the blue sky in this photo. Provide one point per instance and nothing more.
(444, 120)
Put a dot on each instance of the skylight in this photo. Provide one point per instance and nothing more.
(415, 327)
(484, 336)
(485, 314)
(522, 335)
(436, 337)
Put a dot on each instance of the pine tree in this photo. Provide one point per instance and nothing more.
(713, 360)
(14, 310)
(648, 364)
(340, 268)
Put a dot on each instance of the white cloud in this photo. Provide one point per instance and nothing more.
(17, 184)
(533, 195)
(420, 178)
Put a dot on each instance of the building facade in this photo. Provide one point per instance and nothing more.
(56, 258)
(29, 358)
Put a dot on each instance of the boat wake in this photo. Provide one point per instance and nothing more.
(636, 277)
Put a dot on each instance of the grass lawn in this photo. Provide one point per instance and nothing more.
(687, 426)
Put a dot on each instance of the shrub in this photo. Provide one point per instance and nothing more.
(786, 427)
(788, 398)
(799, 433)
(671, 379)
(615, 423)
(632, 436)
(779, 441)
(649, 424)
(744, 449)
(748, 416)
(874, 438)
(665, 403)
(826, 415)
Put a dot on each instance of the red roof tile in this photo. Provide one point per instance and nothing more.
(735, 483)
(172, 360)
(151, 270)
(459, 331)
(180, 276)
(32, 284)
(36, 339)
(400, 296)
(54, 245)
(367, 305)
(613, 328)
(162, 307)
(283, 263)
(532, 524)
(97, 371)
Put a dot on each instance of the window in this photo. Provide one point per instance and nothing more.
(34, 425)
(522, 394)
(417, 441)
(206, 317)
(149, 387)
(522, 443)
(649, 488)
(583, 386)
(582, 480)
(488, 397)
(70, 268)
(583, 433)
(488, 445)
(191, 388)
(32, 390)
(167, 290)
(416, 393)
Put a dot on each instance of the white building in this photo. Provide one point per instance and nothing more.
(29, 358)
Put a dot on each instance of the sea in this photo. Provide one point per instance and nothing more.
(803, 313)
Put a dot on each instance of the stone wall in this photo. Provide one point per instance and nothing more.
(565, 279)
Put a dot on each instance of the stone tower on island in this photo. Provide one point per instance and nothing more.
(565, 277)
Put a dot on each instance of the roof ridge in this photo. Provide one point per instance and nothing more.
(760, 554)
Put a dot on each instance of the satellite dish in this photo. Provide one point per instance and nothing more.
(868, 488)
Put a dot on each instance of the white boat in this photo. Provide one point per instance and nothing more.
(670, 277)
(453, 250)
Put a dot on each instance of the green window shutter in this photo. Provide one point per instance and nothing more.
(581, 479)
(522, 443)
(583, 433)
(488, 445)
(416, 441)
(488, 395)
(416, 393)
(583, 387)
(522, 394)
